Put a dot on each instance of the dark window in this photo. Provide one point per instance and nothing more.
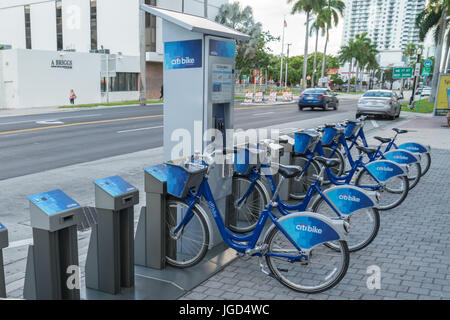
(123, 81)
(27, 27)
(93, 24)
(59, 31)
(150, 29)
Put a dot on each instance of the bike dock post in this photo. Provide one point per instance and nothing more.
(110, 258)
(286, 159)
(3, 244)
(150, 248)
(52, 271)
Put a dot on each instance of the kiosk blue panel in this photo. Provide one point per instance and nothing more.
(2, 227)
(53, 202)
(183, 54)
(226, 49)
(115, 186)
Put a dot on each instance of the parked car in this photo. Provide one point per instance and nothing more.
(318, 98)
(425, 91)
(379, 102)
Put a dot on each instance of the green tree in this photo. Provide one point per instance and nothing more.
(330, 13)
(305, 6)
(434, 18)
(347, 54)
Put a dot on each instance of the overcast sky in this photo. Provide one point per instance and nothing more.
(270, 13)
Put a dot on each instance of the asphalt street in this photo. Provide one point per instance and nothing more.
(35, 143)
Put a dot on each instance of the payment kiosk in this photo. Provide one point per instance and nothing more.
(110, 259)
(3, 244)
(52, 271)
(199, 77)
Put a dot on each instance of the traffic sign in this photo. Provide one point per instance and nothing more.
(403, 73)
(428, 63)
(426, 71)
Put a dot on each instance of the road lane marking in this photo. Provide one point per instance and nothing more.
(263, 113)
(139, 129)
(27, 121)
(79, 124)
(49, 122)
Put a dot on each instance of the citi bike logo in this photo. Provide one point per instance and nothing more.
(182, 61)
(304, 227)
(387, 169)
(401, 157)
(347, 197)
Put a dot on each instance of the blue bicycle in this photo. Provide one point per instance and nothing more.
(352, 204)
(293, 246)
(393, 186)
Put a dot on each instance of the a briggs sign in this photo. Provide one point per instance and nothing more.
(63, 64)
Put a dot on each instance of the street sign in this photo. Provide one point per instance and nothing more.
(428, 63)
(333, 71)
(403, 73)
(426, 71)
(417, 70)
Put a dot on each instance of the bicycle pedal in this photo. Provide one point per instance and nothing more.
(282, 270)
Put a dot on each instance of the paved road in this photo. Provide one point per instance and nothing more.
(36, 143)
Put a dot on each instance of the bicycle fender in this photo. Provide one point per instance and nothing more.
(402, 156)
(348, 199)
(383, 170)
(415, 147)
(309, 229)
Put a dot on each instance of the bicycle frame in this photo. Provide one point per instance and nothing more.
(228, 236)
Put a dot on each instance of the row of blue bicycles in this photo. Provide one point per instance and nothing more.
(337, 186)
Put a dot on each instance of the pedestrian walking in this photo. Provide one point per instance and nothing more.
(72, 96)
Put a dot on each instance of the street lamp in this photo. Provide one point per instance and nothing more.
(287, 64)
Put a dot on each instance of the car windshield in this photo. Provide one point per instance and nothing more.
(314, 92)
(378, 94)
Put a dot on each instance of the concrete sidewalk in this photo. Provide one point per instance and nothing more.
(76, 181)
(412, 248)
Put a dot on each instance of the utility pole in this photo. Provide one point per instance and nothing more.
(411, 101)
(206, 9)
(182, 6)
(282, 53)
(287, 64)
(143, 57)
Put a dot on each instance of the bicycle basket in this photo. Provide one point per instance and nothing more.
(184, 177)
(306, 140)
(352, 129)
(328, 135)
(246, 159)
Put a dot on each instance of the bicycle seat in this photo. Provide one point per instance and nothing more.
(326, 162)
(383, 140)
(366, 150)
(400, 131)
(289, 171)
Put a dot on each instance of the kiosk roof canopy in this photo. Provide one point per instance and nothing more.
(195, 23)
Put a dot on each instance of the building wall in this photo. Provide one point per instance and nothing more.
(154, 79)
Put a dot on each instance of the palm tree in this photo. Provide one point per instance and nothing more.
(364, 49)
(346, 54)
(306, 6)
(317, 26)
(330, 13)
(434, 17)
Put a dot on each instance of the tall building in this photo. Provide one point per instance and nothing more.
(51, 47)
(389, 23)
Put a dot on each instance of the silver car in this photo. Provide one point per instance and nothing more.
(379, 102)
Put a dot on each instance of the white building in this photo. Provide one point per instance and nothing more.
(46, 33)
(388, 23)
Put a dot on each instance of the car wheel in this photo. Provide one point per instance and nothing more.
(300, 108)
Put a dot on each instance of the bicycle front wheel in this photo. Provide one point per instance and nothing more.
(244, 215)
(425, 163)
(414, 174)
(395, 191)
(323, 269)
(364, 225)
(188, 246)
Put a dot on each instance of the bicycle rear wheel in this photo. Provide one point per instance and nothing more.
(245, 215)
(394, 193)
(425, 163)
(298, 186)
(364, 225)
(324, 268)
(189, 245)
